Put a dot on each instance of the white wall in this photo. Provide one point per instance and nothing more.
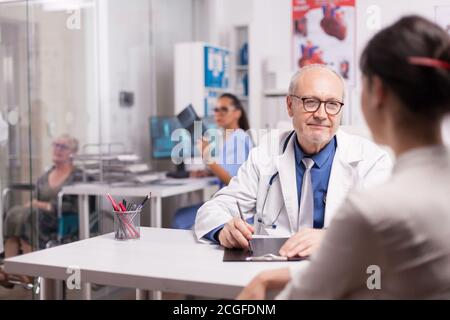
(172, 23)
(124, 58)
(270, 31)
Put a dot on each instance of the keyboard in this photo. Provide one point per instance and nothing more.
(178, 174)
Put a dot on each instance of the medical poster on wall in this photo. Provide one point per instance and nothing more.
(217, 75)
(324, 32)
(217, 67)
(442, 14)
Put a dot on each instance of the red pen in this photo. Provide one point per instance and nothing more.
(115, 207)
(122, 207)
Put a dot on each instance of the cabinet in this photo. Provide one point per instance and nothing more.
(240, 63)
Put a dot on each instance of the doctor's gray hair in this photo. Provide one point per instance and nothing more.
(301, 71)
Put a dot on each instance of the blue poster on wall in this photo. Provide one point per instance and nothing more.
(217, 66)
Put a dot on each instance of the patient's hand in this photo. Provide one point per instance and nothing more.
(34, 203)
(266, 280)
(42, 205)
(303, 243)
(236, 234)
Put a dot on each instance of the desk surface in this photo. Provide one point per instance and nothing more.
(163, 259)
(166, 188)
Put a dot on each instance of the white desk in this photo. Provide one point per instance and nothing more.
(168, 187)
(163, 259)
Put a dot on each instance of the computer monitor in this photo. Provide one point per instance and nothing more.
(187, 118)
(161, 129)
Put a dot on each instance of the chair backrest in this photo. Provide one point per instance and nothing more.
(16, 187)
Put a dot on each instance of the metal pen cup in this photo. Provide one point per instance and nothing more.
(127, 225)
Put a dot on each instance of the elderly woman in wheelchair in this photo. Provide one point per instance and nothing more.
(17, 226)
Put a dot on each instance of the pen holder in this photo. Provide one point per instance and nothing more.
(126, 224)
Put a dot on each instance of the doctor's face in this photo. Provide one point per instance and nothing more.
(316, 127)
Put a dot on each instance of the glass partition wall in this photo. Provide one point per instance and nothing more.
(65, 66)
(48, 88)
(15, 108)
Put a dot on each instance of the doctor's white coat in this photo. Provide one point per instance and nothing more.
(358, 163)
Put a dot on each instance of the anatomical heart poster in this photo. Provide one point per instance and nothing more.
(324, 32)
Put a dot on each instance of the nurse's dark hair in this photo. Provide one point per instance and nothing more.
(243, 120)
(412, 59)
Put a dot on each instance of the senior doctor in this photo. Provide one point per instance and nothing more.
(293, 183)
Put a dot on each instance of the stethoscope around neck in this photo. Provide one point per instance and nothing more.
(260, 219)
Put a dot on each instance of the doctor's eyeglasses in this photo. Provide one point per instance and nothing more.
(313, 104)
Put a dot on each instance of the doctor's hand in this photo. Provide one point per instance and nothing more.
(263, 282)
(303, 243)
(236, 233)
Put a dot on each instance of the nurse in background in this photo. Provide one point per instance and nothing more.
(231, 118)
